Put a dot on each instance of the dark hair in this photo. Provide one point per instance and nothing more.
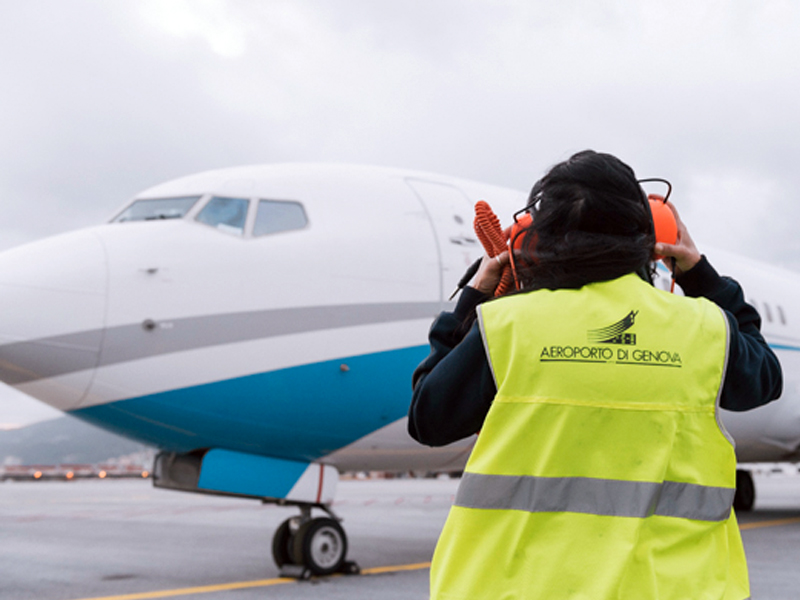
(591, 222)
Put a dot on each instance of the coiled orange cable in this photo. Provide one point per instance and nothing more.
(495, 242)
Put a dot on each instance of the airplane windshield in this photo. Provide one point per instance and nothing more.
(157, 208)
(227, 214)
(278, 215)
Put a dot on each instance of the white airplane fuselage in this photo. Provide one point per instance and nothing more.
(297, 344)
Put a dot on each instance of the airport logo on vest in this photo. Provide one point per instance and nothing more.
(615, 334)
(601, 348)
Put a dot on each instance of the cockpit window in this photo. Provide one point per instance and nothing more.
(157, 208)
(278, 215)
(227, 214)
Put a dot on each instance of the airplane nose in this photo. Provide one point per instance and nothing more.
(52, 312)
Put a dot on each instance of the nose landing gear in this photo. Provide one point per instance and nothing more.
(745, 496)
(304, 546)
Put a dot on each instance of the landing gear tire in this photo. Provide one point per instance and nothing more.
(282, 544)
(745, 496)
(320, 545)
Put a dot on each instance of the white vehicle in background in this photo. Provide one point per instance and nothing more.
(260, 325)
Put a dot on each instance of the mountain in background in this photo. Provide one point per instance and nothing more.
(65, 440)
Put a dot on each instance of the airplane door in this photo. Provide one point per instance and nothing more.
(451, 213)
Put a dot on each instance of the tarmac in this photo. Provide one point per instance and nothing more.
(125, 540)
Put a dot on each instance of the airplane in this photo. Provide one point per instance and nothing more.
(260, 324)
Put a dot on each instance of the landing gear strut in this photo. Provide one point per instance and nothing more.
(304, 546)
(745, 491)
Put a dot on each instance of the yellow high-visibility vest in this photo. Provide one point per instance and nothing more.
(602, 470)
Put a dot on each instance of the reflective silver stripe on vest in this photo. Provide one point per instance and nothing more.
(606, 497)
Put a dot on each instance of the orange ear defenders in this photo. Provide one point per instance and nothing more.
(665, 228)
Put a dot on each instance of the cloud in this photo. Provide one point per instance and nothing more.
(209, 20)
(109, 98)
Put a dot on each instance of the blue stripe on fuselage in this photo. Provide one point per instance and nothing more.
(298, 413)
(784, 347)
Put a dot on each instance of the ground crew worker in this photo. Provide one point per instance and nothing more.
(601, 470)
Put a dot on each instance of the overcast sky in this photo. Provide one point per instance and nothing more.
(99, 100)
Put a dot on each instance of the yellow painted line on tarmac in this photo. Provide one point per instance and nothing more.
(775, 523)
(203, 589)
(395, 568)
(223, 587)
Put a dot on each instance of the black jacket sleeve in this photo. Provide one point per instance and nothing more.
(454, 386)
(754, 375)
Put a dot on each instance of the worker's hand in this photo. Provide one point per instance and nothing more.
(684, 251)
(489, 273)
